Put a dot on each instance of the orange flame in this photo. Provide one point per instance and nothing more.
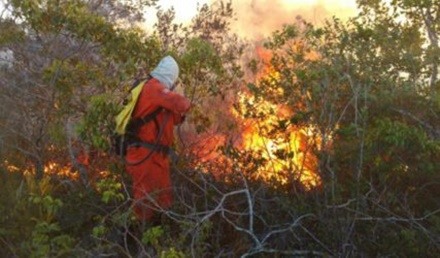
(288, 155)
(60, 166)
(280, 156)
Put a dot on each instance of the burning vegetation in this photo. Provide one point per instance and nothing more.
(263, 143)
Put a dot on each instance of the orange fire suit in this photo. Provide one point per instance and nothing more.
(151, 178)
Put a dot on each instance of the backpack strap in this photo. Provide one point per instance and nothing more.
(154, 147)
(164, 149)
(139, 80)
(134, 124)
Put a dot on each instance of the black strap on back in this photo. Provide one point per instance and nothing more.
(154, 147)
(136, 123)
(139, 80)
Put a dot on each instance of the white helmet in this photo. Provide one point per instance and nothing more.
(166, 72)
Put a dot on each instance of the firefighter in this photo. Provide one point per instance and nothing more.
(148, 163)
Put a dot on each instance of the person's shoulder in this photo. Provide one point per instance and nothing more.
(156, 88)
(153, 85)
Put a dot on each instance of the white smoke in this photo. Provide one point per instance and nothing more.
(257, 19)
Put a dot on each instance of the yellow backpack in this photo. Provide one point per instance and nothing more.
(123, 117)
(125, 127)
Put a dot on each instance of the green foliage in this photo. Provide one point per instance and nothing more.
(172, 253)
(10, 32)
(160, 239)
(110, 190)
(46, 241)
(395, 136)
(49, 204)
(99, 231)
(152, 235)
(29, 225)
(200, 55)
(97, 125)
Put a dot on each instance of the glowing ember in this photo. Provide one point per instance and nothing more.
(50, 168)
(53, 168)
(10, 167)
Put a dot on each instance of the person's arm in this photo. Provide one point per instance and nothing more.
(173, 102)
(177, 104)
(155, 95)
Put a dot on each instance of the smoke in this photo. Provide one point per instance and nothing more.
(257, 19)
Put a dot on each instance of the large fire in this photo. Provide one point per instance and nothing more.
(267, 153)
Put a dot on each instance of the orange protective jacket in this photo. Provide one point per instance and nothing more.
(151, 178)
